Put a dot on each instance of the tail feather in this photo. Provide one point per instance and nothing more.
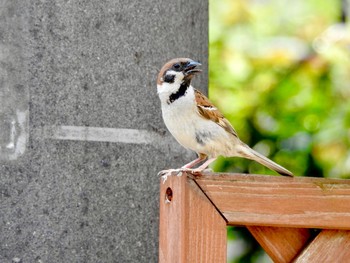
(255, 156)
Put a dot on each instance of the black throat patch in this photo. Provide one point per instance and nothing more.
(181, 92)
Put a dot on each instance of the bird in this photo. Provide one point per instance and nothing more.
(196, 123)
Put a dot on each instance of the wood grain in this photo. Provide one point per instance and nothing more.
(278, 211)
(259, 200)
(282, 244)
(191, 229)
(328, 247)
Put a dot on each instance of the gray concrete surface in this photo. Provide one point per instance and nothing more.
(81, 135)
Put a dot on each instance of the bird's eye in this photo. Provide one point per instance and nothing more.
(177, 66)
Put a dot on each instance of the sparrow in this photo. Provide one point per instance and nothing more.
(196, 123)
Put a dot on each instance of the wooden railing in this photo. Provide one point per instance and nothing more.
(282, 214)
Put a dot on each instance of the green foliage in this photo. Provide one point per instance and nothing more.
(280, 72)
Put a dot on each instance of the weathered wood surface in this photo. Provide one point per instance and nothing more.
(280, 212)
(191, 229)
(259, 200)
(329, 246)
(282, 244)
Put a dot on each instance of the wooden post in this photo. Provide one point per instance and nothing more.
(282, 244)
(328, 246)
(191, 229)
(280, 212)
(260, 200)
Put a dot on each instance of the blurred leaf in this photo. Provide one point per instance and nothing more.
(280, 72)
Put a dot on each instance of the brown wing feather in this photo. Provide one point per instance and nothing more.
(208, 111)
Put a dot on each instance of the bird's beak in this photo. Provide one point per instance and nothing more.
(191, 68)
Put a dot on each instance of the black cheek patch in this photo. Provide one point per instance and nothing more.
(169, 78)
(181, 92)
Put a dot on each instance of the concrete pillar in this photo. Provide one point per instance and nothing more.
(81, 135)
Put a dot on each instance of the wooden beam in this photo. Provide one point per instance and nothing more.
(190, 227)
(328, 246)
(260, 200)
(281, 244)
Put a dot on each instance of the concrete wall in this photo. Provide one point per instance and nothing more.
(81, 135)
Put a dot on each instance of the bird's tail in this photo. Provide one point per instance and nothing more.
(249, 153)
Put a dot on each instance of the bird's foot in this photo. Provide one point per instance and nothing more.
(178, 172)
(165, 173)
(168, 172)
(195, 172)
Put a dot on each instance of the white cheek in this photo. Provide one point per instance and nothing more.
(176, 73)
(166, 89)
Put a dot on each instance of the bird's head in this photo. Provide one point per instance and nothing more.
(177, 71)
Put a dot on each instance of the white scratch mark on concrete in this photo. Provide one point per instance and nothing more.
(20, 148)
(165, 143)
(11, 143)
(16, 135)
(101, 134)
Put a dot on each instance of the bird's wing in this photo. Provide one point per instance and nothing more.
(208, 111)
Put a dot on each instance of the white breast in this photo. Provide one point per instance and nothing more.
(193, 131)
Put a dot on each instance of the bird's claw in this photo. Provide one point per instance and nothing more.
(165, 173)
(179, 172)
(195, 172)
(162, 173)
(170, 171)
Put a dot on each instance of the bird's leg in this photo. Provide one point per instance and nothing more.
(203, 166)
(165, 173)
(193, 163)
(186, 168)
